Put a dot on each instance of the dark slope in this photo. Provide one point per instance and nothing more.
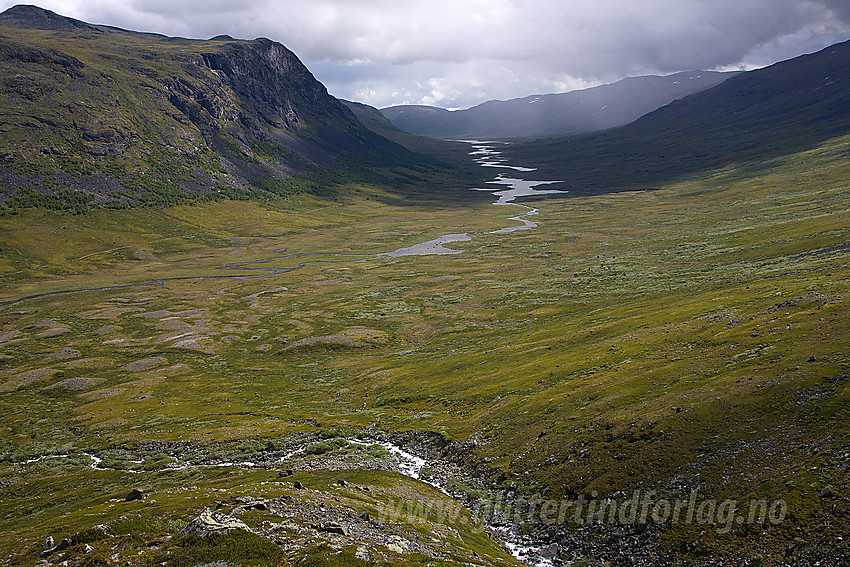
(372, 118)
(575, 112)
(131, 117)
(751, 118)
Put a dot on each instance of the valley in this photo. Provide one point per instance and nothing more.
(645, 339)
(246, 323)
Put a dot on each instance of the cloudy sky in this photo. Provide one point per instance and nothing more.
(458, 53)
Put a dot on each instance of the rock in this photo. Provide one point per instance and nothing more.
(252, 505)
(297, 485)
(827, 492)
(87, 549)
(549, 552)
(397, 544)
(64, 544)
(342, 482)
(211, 522)
(135, 494)
(48, 543)
(144, 364)
(75, 384)
(334, 528)
(284, 473)
(811, 359)
(53, 328)
(363, 516)
(64, 354)
(106, 329)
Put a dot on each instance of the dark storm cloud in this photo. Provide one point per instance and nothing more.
(460, 52)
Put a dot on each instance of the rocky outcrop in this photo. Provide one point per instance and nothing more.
(274, 83)
(135, 494)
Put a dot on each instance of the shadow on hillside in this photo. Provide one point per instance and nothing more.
(748, 120)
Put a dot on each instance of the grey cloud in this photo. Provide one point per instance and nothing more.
(460, 52)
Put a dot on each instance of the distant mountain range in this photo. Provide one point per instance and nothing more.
(137, 117)
(553, 115)
(749, 119)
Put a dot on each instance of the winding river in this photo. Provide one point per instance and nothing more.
(483, 153)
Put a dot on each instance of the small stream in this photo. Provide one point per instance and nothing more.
(410, 465)
(406, 463)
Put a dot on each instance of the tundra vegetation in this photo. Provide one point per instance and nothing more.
(690, 337)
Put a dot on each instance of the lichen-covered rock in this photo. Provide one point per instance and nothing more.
(211, 522)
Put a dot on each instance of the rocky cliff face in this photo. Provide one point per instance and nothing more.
(129, 116)
(273, 81)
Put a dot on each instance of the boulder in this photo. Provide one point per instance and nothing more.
(252, 505)
(63, 545)
(211, 522)
(334, 528)
(135, 494)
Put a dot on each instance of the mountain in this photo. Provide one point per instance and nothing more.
(574, 112)
(372, 118)
(750, 118)
(35, 18)
(125, 117)
(455, 152)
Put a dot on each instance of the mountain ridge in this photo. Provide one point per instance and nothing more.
(550, 115)
(753, 117)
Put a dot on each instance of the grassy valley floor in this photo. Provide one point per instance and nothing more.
(687, 339)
